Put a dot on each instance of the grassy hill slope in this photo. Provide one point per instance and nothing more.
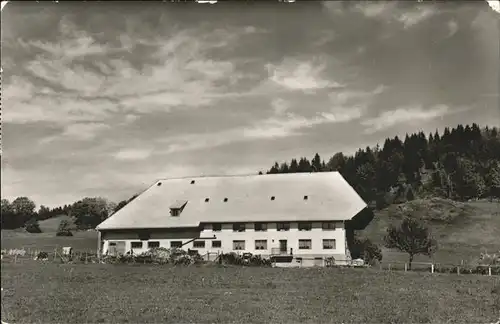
(463, 230)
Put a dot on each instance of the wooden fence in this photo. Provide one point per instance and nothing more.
(90, 256)
(463, 268)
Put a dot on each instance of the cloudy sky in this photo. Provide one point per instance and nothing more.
(102, 99)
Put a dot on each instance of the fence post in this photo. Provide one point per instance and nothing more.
(489, 271)
(405, 267)
(432, 267)
(458, 270)
(389, 267)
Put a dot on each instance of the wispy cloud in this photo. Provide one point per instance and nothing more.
(78, 132)
(403, 115)
(274, 127)
(391, 10)
(176, 74)
(59, 110)
(346, 96)
(452, 28)
(373, 9)
(300, 75)
(84, 131)
(132, 154)
(411, 18)
(280, 106)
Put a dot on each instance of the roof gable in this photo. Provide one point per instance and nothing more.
(240, 199)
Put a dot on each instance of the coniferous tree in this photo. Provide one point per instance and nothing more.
(316, 163)
(283, 168)
(304, 165)
(294, 166)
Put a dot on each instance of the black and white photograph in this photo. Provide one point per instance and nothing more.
(250, 161)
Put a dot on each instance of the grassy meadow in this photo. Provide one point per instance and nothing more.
(94, 293)
(38, 292)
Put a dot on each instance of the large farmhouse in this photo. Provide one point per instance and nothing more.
(298, 217)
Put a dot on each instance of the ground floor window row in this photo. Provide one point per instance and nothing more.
(304, 244)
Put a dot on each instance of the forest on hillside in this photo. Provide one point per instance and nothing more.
(462, 163)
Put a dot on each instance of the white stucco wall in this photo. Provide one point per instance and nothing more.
(316, 235)
(227, 235)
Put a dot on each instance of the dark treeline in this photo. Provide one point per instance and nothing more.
(460, 164)
(87, 213)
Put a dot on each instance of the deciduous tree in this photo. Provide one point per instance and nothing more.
(410, 236)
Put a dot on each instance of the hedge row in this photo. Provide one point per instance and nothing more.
(468, 270)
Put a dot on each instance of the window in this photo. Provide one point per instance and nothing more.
(329, 244)
(176, 244)
(136, 245)
(306, 197)
(216, 227)
(207, 199)
(305, 226)
(283, 226)
(239, 227)
(192, 181)
(199, 244)
(260, 227)
(272, 198)
(238, 245)
(328, 226)
(225, 199)
(153, 244)
(216, 244)
(261, 244)
(175, 211)
(305, 244)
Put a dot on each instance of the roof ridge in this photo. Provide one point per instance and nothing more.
(236, 175)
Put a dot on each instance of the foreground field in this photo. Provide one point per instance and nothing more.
(52, 293)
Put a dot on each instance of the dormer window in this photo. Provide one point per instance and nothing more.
(306, 197)
(177, 207)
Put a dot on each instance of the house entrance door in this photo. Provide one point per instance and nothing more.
(283, 246)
